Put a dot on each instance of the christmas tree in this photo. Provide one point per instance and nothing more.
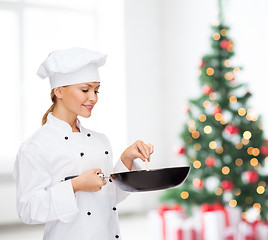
(223, 137)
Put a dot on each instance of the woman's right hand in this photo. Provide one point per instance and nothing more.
(89, 181)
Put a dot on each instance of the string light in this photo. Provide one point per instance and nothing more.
(184, 195)
(202, 118)
(245, 141)
(249, 151)
(213, 96)
(229, 76)
(206, 104)
(238, 192)
(260, 189)
(218, 191)
(247, 135)
(197, 146)
(255, 152)
(212, 145)
(219, 150)
(242, 112)
(262, 183)
(218, 116)
(238, 162)
(233, 99)
(192, 159)
(223, 32)
(230, 46)
(223, 122)
(191, 129)
(232, 203)
(195, 134)
(236, 70)
(254, 162)
(227, 63)
(257, 206)
(207, 129)
(191, 123)
(210, 71)
(216, 36)
(238, 145)
(196, 164)
(225, 170)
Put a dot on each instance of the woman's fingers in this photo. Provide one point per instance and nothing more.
(143, 149)
(151, 148)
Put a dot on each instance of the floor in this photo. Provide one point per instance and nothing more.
(35, 232)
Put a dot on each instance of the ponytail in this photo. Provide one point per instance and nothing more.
(53, 99)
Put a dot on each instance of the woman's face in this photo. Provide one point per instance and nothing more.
(80, 99)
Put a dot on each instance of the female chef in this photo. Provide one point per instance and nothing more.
(83, 207)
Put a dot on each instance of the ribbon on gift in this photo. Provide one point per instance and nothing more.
(206, 207)
(161, 211)
(181, 232)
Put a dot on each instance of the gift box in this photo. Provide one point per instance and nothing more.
(256, 230)
(164, 222)
(215, 223)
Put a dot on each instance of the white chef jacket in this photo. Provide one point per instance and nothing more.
(44, 160)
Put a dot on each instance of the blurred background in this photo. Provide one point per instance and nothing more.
(154, 50)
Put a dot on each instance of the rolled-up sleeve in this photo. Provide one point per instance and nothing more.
(38, 201)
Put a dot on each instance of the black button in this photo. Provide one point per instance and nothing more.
(116, 236)
(88, 213)
(106, 152)
(110, 180)
(114, 208)
(66, 138)
(88, 134)
(81, 154)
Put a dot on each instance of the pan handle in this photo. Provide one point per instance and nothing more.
(101, 175)
(70, 177)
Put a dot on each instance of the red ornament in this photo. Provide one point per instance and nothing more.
(207, 89)
(227, 185)
(224, 44)
(198, 183)
(210, 161)
(250, 176)
(217, 110)
(264, 148)
(181, 150)
(202, 64)
(231, 129)
(187, 109)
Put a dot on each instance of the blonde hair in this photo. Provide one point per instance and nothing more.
(53, 99)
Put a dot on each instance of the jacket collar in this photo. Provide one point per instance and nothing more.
(62, 125)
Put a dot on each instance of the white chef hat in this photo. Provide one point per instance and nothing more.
(71, 66)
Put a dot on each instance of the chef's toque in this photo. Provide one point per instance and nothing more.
(71, 66)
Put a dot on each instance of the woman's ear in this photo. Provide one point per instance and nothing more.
(58, 92)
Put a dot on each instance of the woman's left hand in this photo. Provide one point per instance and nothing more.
(137, 150)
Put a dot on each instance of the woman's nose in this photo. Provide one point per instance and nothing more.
(93, 97)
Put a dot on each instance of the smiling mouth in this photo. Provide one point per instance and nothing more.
(89, 107)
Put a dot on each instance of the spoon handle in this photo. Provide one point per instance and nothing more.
(147, 165)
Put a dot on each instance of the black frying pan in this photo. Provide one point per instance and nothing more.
(143, 180)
